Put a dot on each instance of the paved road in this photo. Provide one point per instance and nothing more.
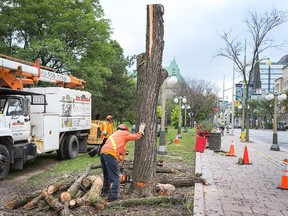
(263, 136)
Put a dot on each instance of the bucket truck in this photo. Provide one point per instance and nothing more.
(37, 120)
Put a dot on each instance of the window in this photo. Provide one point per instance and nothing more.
(15, 107)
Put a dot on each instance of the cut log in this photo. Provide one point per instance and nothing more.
(60, 185)
(164, 170)
(65, 197)
(76, 185)
(148, 201)
(87, 182)
(94, 192)
(165, 189)
(32, 203)
(181, 181)
(78, 202)
(21, 200)
(55, 204)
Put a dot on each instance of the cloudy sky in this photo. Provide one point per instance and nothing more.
(191, 33)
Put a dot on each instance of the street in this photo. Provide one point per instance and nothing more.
(265, 136)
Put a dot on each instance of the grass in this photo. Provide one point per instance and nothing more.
(182, 152)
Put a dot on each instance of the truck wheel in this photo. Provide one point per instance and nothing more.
(60, 151)
(4, 162)
(71, 147)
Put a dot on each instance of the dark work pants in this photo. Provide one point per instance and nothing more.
(111, 173)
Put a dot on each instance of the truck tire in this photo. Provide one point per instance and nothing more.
(4, 162)
(71, 147)
(60, 151)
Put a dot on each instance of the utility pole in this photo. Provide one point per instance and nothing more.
(233, 83)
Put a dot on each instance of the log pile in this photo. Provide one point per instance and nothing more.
(63, 196)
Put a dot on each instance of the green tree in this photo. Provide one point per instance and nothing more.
(175, 116)
(71, 37)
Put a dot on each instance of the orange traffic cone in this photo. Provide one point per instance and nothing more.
(176, 139)
(246, 156)
(231, 150)
(284, 182)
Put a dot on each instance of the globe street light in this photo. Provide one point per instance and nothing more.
(277, 97)
(180, 100)
(168, 83)
(185, 107)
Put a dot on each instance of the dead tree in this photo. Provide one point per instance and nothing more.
(150, 77)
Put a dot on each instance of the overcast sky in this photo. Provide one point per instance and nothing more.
(191, 33)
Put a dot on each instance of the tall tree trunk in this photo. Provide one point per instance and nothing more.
(150, 77)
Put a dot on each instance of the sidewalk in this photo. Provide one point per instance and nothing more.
(241, 189)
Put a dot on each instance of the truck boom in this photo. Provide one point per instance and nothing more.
(14, 73)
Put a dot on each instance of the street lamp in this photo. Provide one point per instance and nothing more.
(268, 63)
(185, 107)
(180, 100)
(168, 83)
(277, 97)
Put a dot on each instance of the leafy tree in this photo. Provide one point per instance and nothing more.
(71, 37)
(259, 26)
(175, 116)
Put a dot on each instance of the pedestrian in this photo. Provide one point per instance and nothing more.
(222, 128)
(113, 153)
(106, 129)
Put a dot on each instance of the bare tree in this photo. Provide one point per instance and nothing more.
(201, 96)
(150, 77)
(259, 25)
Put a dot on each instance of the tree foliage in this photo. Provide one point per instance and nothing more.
(70, 36)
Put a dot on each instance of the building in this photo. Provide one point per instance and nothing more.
(173, 70)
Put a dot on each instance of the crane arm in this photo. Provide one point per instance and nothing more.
(14, 73)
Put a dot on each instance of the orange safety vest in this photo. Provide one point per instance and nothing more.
(117, 143)
(106, 127)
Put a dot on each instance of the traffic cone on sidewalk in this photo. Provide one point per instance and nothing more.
(246, 156)
(176, 139)
(231, 150)
(284, 182)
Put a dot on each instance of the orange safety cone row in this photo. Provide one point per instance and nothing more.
(246, 156)
(231, 150)
(284, 181)
(176, 139)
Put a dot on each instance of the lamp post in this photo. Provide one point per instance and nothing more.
(269, 62)
(277, 97)
(180, 100)
(185, 107)
(168, 83)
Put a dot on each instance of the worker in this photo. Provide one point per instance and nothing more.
(113, 153)
(106, 129)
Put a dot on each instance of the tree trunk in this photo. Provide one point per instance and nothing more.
(150, 77)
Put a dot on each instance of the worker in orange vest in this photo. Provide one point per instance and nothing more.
(106, 130)
(113, 153)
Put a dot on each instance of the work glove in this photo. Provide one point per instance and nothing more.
(142, 128)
